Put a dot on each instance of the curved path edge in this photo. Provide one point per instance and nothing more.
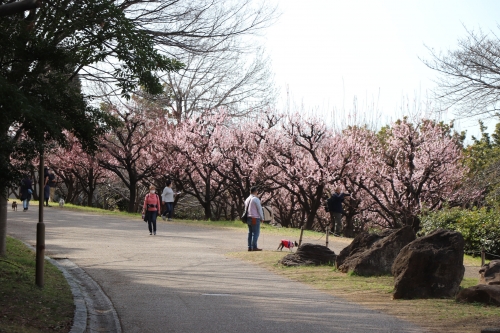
(94, 311)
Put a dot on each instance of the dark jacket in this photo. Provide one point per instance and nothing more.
(26, 185)
(335, 202)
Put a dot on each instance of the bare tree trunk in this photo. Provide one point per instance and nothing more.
(91, 187)
(208, 211)
(132, 206)
(3, 225)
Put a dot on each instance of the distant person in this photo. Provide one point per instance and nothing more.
(335, 208)
(167, 197)
(255, 215)
(46, 186)
(52, 184)
(151, 208)
(26, 192)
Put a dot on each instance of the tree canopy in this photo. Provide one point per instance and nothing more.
(43, 51)
(39, 82)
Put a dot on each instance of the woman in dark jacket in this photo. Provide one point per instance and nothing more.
(46, 187)
(26, 192)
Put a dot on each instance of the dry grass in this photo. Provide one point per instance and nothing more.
(434, 315)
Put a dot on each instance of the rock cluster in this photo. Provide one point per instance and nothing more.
(372, 254)
(309, 254)
(430, 267)
(488, 289)
(482, 293)
(490, 273)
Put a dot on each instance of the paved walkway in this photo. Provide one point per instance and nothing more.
(181, 281)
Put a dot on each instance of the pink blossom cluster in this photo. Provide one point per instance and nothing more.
(296, 162)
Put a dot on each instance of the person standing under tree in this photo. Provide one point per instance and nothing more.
(255, 215)
(46, 186)
(52, 184)
(335, 208)
(151, 208)
(167, 196)
(26, 192)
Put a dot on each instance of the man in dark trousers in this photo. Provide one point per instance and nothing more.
(335, 208)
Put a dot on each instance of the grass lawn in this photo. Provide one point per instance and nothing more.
(23, 306)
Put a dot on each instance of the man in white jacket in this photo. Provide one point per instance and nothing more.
(255, 215)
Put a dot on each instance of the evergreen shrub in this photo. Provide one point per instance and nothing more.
(479, 227)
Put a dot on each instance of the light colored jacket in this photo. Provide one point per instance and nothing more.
(167, 195)
(254, 207)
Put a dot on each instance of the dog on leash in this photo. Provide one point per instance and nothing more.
(61, 202)
(288, 244)
(14, 206)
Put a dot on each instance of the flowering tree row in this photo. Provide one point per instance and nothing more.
(296, 162)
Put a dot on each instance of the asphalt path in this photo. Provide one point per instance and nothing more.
(182, 281)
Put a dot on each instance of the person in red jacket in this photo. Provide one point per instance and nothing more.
(151, 208)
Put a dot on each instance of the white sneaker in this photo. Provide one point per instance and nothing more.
(169, 219)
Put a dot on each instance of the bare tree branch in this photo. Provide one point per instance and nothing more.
(16, 7)
(470, 75)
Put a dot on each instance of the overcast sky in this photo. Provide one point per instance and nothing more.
(328, 52)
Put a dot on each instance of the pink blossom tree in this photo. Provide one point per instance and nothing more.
(133, 150)
(79, 170)
(241, 161)
(405, 169)
(193, 156)
(309, 157)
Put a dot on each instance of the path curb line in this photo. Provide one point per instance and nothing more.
(80, 317)
(101, 315)
(94, 311)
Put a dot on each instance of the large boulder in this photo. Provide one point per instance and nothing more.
(359, 244)
(490, 273)
(310, 254)
(487, 294)
(430, 267)
(371, 254)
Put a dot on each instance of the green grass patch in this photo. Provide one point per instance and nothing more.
(24, 307)
(473, 261)
(86, 209)
(468, 282)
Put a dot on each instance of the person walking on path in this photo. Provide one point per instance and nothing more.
(26, 192)
(336, 210)
(151, 208)
(46, 186)
(52, 185)
(167, 196)
(255, 214)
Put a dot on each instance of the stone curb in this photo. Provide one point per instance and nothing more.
(94, 311)
(80, 317)
(101, 316)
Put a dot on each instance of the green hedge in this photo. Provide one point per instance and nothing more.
(479, 227)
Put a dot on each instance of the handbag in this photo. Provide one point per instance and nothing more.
(244, 217)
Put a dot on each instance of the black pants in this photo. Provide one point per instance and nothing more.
(151, 218)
